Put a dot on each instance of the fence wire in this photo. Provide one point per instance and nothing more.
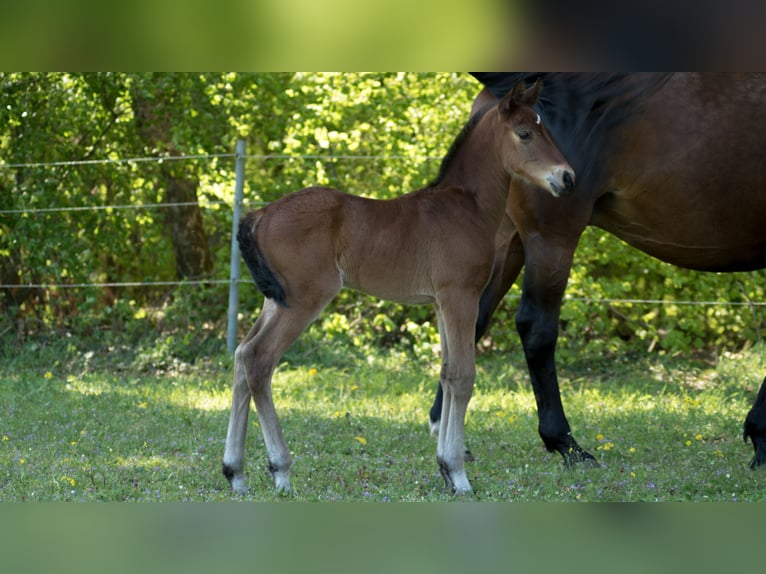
(205, 204)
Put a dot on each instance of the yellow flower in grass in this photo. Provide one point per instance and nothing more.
(361, 440)
(312, 371)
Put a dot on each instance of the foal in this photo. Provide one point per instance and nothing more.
(434, 245)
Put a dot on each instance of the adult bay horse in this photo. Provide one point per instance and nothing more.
(673, 164)
(434, 245)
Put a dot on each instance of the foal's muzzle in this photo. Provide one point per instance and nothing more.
(562, 182)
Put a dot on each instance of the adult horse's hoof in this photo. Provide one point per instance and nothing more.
(575, 456)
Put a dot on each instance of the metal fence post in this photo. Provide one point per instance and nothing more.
(239, 185)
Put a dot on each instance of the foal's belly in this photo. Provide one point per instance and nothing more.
(391, 292)
(392, 281)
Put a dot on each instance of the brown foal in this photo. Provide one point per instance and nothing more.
(434, 245)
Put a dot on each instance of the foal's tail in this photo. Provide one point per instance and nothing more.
(264, 277)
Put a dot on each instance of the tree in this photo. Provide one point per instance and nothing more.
(374, 134)
(159, 103)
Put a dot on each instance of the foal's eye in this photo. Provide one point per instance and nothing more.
(524, 135)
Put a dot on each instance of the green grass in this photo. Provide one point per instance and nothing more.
(88, 426)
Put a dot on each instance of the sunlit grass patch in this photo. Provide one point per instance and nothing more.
(660, 429)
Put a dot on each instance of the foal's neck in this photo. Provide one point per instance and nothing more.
(478, 169)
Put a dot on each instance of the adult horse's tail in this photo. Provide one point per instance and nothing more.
(264, 277)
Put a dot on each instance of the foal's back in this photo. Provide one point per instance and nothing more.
(401, 249)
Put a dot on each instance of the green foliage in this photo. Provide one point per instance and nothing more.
(374, 134)
(665, 316)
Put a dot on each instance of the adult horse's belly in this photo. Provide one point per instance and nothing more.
(709, 235)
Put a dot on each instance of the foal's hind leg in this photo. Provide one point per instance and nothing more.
(255, 360)
(234, 452)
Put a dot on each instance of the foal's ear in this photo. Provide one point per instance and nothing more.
(533, 93)
(520, 96)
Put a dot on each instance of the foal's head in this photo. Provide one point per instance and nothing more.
(526, 148)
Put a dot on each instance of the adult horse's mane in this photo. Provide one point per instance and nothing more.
(581, 110)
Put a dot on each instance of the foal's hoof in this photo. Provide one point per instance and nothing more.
(236, 480)
(281, 479)
(455, 480)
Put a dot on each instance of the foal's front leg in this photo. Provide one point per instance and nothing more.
(457, 317)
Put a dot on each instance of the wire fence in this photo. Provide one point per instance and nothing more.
(240, 157)
(207, 203)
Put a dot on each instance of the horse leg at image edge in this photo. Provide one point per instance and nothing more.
(755, 428)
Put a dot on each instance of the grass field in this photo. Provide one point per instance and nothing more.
(102, 426)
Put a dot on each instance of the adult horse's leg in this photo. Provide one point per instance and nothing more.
(508, 265)
(457, 317)
(537, 319)
(755, 428)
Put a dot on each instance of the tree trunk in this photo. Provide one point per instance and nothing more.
(184, 222)
(190, 245)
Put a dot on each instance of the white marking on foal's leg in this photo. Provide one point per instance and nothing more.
(276, 450)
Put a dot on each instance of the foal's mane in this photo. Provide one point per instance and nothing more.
(582, 110)
(457, 144)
